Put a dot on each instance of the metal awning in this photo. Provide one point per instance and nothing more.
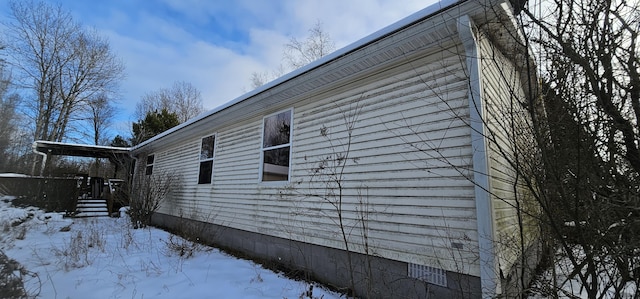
(80, 150)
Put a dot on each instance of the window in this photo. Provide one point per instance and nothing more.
(132, 168)
(276, 147)
(150, 159)
(206, 159)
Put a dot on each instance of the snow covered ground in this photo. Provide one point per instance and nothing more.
(563, 283)
(106, 258)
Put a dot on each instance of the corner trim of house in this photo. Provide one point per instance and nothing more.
(480, 165)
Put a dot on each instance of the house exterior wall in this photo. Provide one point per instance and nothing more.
(406, 172)
(510, 144)
(409, 130)
(381, 162)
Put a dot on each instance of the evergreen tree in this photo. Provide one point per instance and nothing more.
(153, 124)
(120, 141)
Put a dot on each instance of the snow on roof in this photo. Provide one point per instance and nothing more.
(80, 150)
(13, 175)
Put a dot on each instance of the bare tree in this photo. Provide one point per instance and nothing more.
(182, 98)
(326, 183)
(8, 129)
(7, 108)
(589, 136)
(570, 148)
(569, 151)
(590, 51)
(298, 53)
(99, 113)
(59, 62)
(260, 78)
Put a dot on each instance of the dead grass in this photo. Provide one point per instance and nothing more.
(12, 277)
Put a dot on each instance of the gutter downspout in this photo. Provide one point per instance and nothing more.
(34, 147)
(484, 210)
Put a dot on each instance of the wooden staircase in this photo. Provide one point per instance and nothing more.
(91, 207)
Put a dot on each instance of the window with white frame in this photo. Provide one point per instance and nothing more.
(276, 146)
(150, 160)
(132, 167)
(207, 149)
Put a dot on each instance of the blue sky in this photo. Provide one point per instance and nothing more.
(216, 45)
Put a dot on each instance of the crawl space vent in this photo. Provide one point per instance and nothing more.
(431, 275)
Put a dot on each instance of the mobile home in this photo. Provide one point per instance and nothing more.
(381, 168)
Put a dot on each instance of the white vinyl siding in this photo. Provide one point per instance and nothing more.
(407, 169)
(510, 141)
(182, 162)
(409, 133)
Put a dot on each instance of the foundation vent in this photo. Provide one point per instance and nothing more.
(431, 275)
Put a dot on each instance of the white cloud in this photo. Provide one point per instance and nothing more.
(218, 72)
(186, 45)
(217, 45)
(348, 21)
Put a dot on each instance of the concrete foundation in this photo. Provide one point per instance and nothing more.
(373, 277)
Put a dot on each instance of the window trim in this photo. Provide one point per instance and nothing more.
(132, 167)
(212, 159)
(148, 169)
(263, 149)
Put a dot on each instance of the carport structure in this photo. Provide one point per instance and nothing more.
(116, 155)
(96, 195)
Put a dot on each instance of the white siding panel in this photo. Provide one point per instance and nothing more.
(408, 162)
(411, 129)
(509, 139)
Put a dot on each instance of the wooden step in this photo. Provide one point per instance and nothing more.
(92, 214)
(91, 207)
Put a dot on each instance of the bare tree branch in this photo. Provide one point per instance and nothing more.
(182, 98)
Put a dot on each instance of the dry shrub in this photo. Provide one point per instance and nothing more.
(75, 253)
(12, 278)
(148, 193)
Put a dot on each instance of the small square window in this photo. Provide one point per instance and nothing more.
(149, 168)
